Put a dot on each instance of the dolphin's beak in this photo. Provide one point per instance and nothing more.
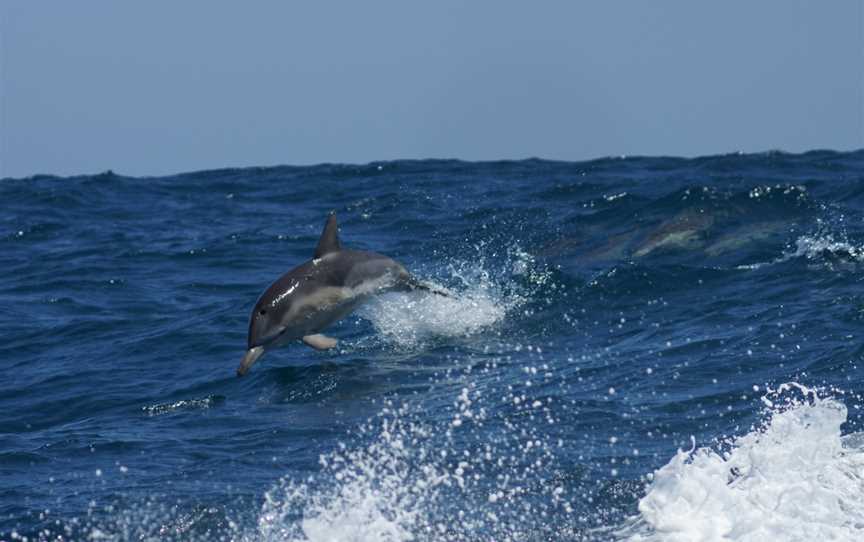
(249, 359)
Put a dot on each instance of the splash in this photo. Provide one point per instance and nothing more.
(419, 481)
(481, 296)
(823, 248)
(373, 496)
(412, 320)
(826, 246)
(793, 478)
(183, 404)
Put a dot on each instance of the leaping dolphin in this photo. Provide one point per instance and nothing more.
(320, 292)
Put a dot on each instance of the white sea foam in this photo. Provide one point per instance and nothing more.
(794, 478)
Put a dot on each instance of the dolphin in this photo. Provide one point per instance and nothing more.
(320, 292)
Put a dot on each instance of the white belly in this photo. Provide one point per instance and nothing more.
(326, 307)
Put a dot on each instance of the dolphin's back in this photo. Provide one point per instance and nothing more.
(353, 269)
(356, 268)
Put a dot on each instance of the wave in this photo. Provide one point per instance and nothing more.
(599, 316)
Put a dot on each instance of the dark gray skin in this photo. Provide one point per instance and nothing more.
(320, 292)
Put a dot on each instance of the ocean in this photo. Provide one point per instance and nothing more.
(637, 348)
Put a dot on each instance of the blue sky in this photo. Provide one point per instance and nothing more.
(157, 87)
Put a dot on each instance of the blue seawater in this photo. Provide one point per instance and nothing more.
(637, 349)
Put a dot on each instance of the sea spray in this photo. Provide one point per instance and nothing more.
(481, 294)
(419, 481)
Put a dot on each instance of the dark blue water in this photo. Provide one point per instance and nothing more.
(607, 314)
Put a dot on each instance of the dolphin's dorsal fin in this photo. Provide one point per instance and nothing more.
(329, 241)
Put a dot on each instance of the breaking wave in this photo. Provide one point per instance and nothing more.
(794, 478)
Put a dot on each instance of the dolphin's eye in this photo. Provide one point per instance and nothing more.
(262, 312)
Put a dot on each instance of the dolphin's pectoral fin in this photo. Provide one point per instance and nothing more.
(319, 341)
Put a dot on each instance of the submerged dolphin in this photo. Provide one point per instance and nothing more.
(319, 292)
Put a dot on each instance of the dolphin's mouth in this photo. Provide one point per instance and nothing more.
(249, 359)
(255, 352)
